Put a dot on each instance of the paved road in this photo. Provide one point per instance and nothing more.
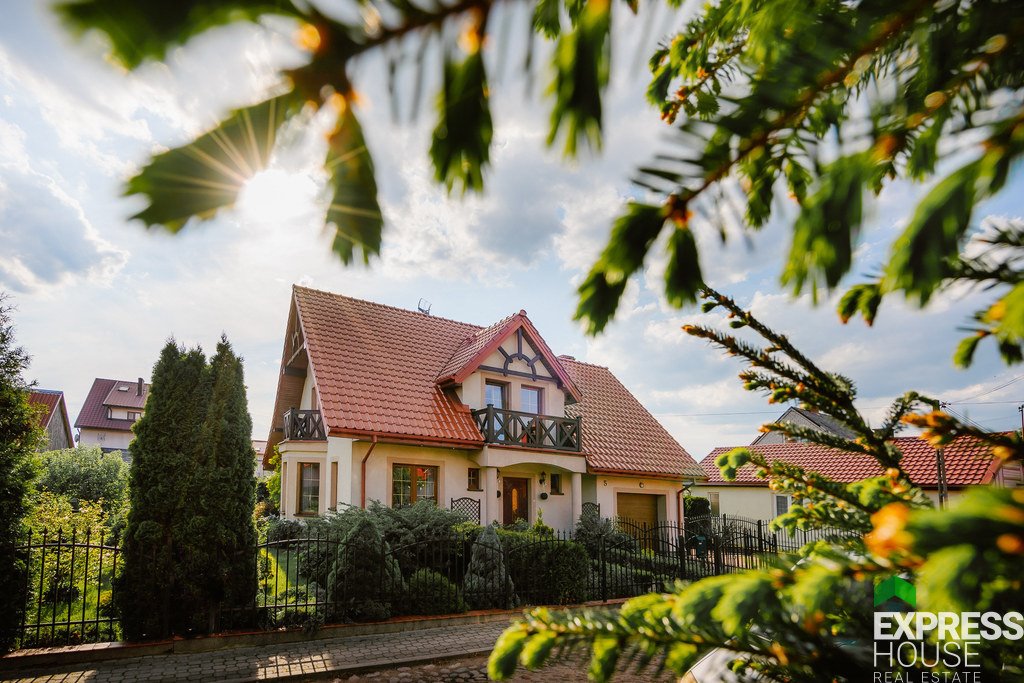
(341, 656)
(472, 669)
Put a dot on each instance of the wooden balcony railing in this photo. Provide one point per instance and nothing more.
(515, 428)
(304, 425)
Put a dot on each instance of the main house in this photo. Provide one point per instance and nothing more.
(111, 408)
(381, 403)
(967, 462)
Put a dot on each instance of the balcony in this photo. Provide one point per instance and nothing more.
(527, 430)
(304, 425)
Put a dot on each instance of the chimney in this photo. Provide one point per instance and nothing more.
(141, 384)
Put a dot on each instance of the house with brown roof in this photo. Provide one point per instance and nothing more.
(53, 419)
(382, 403)
(111, 408)
(802, 417)
(967, 462)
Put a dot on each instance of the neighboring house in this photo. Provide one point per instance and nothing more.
(381, 403)
(110, 410)
(53, 418)
(258, 447)
(968, 462)
(802, 417)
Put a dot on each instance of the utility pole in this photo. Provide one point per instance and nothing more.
(1020, 409)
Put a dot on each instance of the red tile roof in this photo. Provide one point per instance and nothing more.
(377, 367)
(49, 400)
(619, 434)
(968, 462)
(473, 345)
(94, 412)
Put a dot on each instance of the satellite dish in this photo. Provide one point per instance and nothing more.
(424, 306)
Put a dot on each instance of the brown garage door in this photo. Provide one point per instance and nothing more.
(641, 508)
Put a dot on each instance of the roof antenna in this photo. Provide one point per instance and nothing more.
(424, 306)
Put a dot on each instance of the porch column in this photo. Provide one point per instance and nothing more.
(492, 504)
(329, 484)
(282, 504)
(577, 496)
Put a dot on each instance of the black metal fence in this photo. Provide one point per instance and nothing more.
(315, 578)
(67, 581)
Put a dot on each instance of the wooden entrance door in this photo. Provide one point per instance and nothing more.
(514, 493)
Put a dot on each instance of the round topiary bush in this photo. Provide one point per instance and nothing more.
(365, 576)
(432, 593)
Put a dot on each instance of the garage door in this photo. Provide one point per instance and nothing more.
(641, 508)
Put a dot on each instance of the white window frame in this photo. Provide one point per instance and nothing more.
(775, 503)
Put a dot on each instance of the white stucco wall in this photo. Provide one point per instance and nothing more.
(606, 489)
(105, 438)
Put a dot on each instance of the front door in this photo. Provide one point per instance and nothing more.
(514, 493)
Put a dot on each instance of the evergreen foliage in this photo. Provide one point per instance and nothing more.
(155, 594)
(364, 572)
(431, 593)
(486, 571)
(696, 506)
(226, 486)
(188, 547)
(823, 102)
(18, 438)
(795, 621)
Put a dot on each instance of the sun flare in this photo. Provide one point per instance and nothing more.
(277, 196)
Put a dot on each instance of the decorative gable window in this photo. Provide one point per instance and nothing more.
(412, 483)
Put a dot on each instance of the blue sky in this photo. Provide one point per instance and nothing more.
(97, 295)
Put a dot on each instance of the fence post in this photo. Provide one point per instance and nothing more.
(716, 551)
(760, 536)
(604, 570)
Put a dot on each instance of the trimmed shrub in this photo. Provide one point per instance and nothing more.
(487, 584)
(591, 530)
(432, 593)
(300, 608)
(696, 506)
(546, 571)
(364, 575)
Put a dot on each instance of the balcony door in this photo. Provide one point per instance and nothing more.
(515, 494)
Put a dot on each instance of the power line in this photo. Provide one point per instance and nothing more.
(992, 390)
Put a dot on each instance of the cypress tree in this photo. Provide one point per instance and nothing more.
(156, 592)
(226, 484)
(18, 438)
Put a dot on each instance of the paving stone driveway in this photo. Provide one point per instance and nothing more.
(339, 656)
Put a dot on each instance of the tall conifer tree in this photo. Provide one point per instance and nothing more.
(155, 592)
(227, 486)
(18, 436)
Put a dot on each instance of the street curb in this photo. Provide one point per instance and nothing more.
(365, 667)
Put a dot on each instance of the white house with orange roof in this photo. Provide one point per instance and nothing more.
(967, 462)
(382, 403)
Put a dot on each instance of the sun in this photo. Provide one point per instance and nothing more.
(277, 196)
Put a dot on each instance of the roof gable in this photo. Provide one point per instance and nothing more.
(968, 462)
(531, 349)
